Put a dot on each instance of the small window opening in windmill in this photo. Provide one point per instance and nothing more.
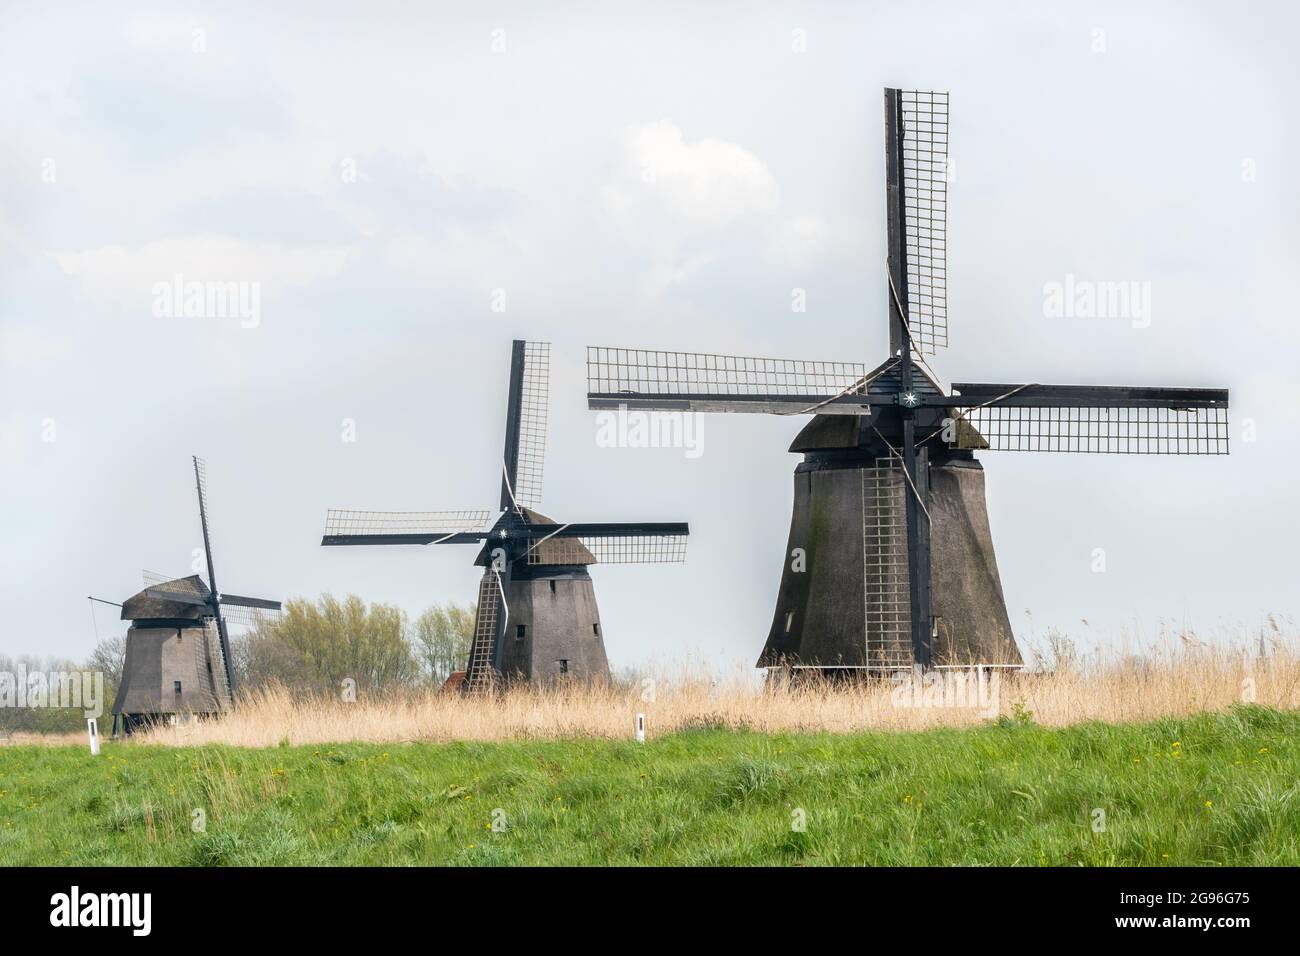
(552, 585)
(595, 629)
(789, 621)
(520, 631)
(176, 685)
(564, 665)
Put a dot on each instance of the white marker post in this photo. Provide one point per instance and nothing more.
(92, 728)
(640, 728)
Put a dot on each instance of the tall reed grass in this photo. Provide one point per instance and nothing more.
(1182, 678)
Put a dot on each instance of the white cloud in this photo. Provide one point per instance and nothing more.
(804, 239)
(13, 447)
(152, 32)
(22, 347)
(128, 273)
(710, 182)
(667, 272)
(1276, 395)
(667, 191)
(465, 257)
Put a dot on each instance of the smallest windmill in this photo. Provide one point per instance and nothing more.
(177, 648)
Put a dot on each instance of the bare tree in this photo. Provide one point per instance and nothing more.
(108, 657)
(443, 635)
(316, 646)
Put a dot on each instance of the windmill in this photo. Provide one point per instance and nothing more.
(537, 618)
(177, 648)
(890, 560)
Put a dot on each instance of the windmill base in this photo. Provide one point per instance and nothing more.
(553, 633)
(161, 658)
(843, 603)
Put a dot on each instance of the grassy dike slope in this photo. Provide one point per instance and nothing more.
(1213, 789)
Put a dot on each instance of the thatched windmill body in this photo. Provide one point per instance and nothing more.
(178, 658)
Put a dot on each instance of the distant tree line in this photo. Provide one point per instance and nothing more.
(313, 648)
(14, 671)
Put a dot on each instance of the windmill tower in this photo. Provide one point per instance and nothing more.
(537, 617)
(890, 559)
(177, 648)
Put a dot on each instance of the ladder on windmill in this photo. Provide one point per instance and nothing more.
(884, 568)
(480, 672)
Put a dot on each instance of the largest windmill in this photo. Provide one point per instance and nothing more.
(537, 619)
(890, 560)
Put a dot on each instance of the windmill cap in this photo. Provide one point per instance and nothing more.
(145, 607)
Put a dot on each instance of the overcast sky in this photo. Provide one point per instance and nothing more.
(385, 173)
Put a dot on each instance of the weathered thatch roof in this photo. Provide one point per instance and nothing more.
(558, 550)
(143, 607)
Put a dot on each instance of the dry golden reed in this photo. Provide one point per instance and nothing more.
(1178, 681)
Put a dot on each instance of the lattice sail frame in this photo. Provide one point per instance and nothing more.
(245, 616)
(533, 411)
(342, 521)
(609, 549)
(925, 216)
(657, 372)
(201, 480)
(152, 579)
(215, 683)
(1096, 430)
(201, 474)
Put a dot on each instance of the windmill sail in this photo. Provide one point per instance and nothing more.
(925, 215)
(248, 615)
(533, 408)
(238, 600)
(150, 578)
(1115, 420)
(702, 382)
(343, 527)
(610, 543)
(201, 482)
(526, 414)
(219, 667)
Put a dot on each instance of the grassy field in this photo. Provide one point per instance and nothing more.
(1206, 789)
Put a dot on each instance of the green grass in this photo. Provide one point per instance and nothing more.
(1214, 789)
